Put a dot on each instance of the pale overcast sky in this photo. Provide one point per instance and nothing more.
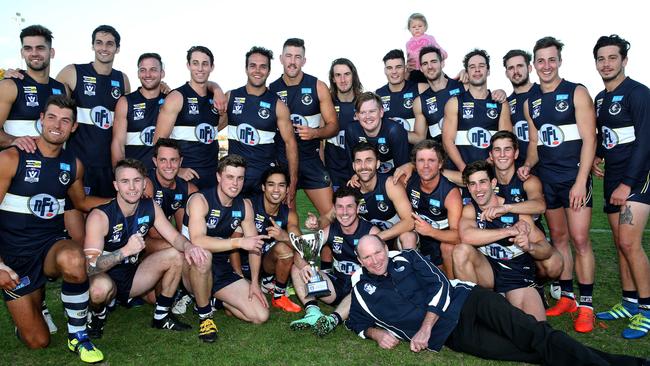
(362, 31)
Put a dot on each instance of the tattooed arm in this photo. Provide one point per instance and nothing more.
(96, 230)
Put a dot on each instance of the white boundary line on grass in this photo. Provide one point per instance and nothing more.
(609, 230)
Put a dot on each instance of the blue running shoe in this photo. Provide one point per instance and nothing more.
(638, 327)
(625, 309)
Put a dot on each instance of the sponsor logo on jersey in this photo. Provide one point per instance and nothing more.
(479, 137)
(31, 96)
(205, 133)
(434, 206)
(551, 135)
(415, 198)
(468, 110)
(192, 105)
(404, 123)
(521, 130)
(116, 92)
(537, 108)
(146, 135)
(306, 97)
(610, 138)
(282, 94)
(614, 108)
(432, 105)
(492, 111)
(101, 117)
(513, 106)
(138, 111)
(178, 201)
(248, 134)
(385, 102)
(408, 100)
(32, 171)
(213, 219)
(44, 206)
(64, 173)
(90, 85)
(238, 105)
(264, 112)
(562, 102)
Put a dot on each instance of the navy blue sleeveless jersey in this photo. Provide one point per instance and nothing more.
(433, 106)
(141, 117)
(478, 120)
(262, 221)
(96, 96)
(514, 192)
(196, 129)
(31, 97)
(430, 206)
(170, 200)
(375, 206)
(519, 123)
(502, 249)
(31, 213)
(221, 221)
(623, 117)
(559, 146)
(252, 127)
(391, 141)
(120, 227)
(337, 159)
(343, 245)
(304, 106)
(398, 106)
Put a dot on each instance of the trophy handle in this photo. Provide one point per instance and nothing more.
(295, 240)
(320, 240)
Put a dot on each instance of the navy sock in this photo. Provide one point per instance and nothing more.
(204, 311)
(163, 303)
(338, 318)
(567, 288)
(279, 289)
(631, 296)
(586, 291)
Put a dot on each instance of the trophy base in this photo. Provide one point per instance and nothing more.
(318, 289)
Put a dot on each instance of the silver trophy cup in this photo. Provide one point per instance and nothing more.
(309, 246)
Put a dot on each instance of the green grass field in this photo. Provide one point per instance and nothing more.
(128, 339)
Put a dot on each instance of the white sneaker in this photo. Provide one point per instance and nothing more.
(267, 284)
(555, 291)
(180, 307)
(48, 319)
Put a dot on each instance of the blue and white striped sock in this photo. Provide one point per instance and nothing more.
(74, 297)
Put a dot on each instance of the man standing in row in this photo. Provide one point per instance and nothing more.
(255, 116)
(96, 87)
(188, 115)
(136, 114)
(623, 119)
(314, 119)
(518, 69)
(561, 118)
(345, 88)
